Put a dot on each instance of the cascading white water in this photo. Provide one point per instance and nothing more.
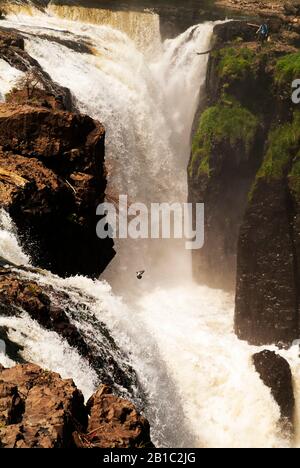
(40, 346)
(8, 76)
(49, 351)
(201, 386)
(10, 248)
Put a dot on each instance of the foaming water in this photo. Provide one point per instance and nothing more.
(125, 90)
(202, 391)
(8, 77)
(193, 327)
(142, 27)
(201, 386)
(147, 106)
(10, 248)
(48, 350)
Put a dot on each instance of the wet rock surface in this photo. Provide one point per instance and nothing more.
(38, 409)
(267, 308)
(276, 374)
(52, 174)
(115, 422)
(52, 178)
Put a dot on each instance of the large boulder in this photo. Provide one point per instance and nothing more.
(38, 409)
(276, 374)
(115, 422)
(52, 177)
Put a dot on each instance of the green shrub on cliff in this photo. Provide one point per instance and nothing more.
(226, 121)
(287, 68)
(235, 63)
(283, 143)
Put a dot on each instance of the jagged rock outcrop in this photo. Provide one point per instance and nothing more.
(230, 31)
(276, 374)
(52, 174)
(40, 410)
(52, 178)
(115, 422)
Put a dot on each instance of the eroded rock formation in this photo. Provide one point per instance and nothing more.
(40, 410)
(52, 178)
(276, 374)
(115, 422)
(52, 174)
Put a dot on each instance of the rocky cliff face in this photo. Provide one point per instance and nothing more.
(244, 167)
(267, 301)
(228, 145)
(52, 178)
(40, 410)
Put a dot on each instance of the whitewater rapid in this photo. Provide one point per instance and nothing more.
(202, 389)
(201, 386)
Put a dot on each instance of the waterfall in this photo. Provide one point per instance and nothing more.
(142, 27)
(19, 7)
(200, 384)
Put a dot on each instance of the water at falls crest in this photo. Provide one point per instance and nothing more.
(197, 378)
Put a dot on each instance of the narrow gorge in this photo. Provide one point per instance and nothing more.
(164, 103)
